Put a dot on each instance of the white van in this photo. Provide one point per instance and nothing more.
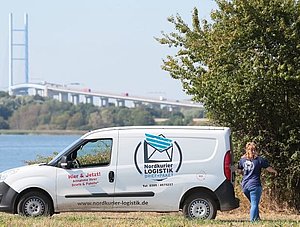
(161, 169)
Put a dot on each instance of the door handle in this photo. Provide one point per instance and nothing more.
(111, 176)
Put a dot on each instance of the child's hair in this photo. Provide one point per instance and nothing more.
(251, 150)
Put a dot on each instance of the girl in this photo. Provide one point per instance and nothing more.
(250, 166)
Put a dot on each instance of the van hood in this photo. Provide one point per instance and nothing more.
(10, 172)
(22, 167)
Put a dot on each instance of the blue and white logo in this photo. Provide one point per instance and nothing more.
(157, 149)
(157, 157)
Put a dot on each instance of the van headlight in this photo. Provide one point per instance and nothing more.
(7, 173)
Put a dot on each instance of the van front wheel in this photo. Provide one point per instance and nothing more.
(200, 206)
(34, 204)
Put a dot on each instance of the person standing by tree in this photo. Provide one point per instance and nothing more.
(250, 166)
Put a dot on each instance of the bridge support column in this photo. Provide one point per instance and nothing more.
(63, 97)
(35, 91)
(88, 99)
(103, 102)
(39, 92)
(45, 92)
(50, 94)
(120, 102)
(170, 107)
(75, 99)
(137, 103)
(155, 106)
(173, 108)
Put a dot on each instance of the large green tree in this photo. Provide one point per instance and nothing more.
(244, 65)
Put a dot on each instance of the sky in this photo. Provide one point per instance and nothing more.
(106, 46)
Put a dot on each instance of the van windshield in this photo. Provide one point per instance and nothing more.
(57, 157)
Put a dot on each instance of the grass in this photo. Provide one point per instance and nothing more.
(271, 215)
(146, 219)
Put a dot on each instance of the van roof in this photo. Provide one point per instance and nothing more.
(159, 127)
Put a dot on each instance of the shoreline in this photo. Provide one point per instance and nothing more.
(40, 132)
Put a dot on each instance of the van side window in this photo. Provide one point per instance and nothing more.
(95, 153)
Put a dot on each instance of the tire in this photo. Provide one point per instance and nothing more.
(200, 206)
(34, 204)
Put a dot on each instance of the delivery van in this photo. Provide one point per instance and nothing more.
(155, 168)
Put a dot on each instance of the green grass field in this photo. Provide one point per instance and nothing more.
(146, 219)
(271, 214)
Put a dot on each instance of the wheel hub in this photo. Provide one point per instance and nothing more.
(34, 207)
(199, 209)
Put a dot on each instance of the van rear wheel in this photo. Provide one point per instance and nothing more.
(200, 206)
(34, 204)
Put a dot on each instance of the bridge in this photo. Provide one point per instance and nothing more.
(67, 93)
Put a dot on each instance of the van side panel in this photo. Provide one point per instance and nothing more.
(147, 177)
(158, 177)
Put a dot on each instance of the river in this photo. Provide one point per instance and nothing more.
(16, 149)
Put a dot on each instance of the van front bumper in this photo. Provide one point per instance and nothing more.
(7, 198)
(226, 196)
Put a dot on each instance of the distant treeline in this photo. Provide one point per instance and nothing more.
(40, 113)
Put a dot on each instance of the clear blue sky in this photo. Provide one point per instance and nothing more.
(107, 46)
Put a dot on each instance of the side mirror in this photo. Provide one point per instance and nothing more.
(64, 163)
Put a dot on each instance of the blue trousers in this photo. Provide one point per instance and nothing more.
(253, 195)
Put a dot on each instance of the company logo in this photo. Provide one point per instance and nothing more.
(157, 157)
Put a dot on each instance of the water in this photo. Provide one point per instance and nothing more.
(16, 149)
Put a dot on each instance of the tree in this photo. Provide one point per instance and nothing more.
(244, 66)
(142, 117)
(60, 121)
(3, 123)
(5, 112)
(4, 94)
(176, 118)
(75, 121)
(107, 116)
(124, 117)
(95, 120)
(26, 117)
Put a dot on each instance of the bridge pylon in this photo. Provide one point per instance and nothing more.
(13, 44)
